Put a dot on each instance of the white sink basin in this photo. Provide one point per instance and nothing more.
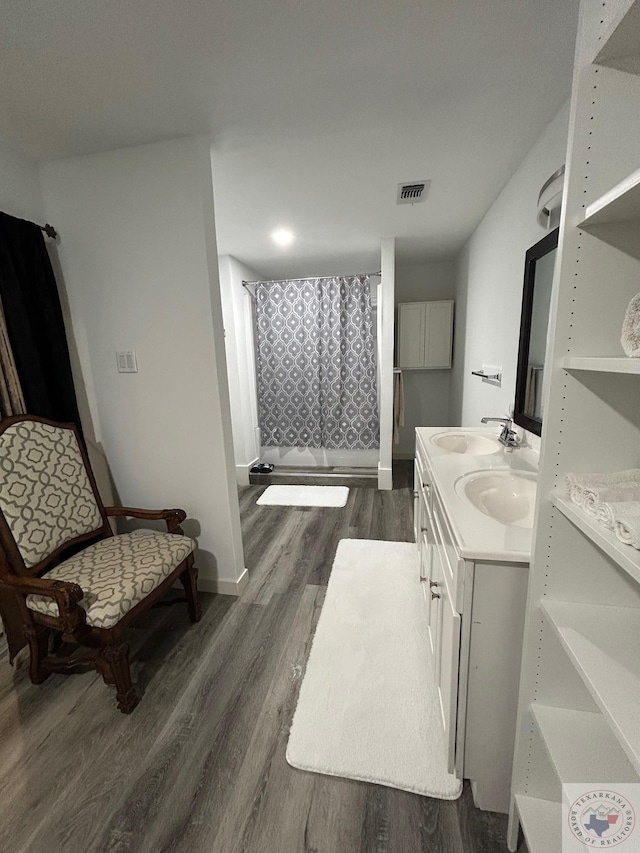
(506, 497)
(466, 442)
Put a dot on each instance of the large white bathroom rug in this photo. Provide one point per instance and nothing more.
(304, 496)
(368, 706)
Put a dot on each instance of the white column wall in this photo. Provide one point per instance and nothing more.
(385, 367)
(137, 251)
(241, 366)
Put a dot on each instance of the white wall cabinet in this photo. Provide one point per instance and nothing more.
(425, 335)
(474, 611)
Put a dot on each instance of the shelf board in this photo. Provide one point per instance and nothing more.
(614, 218)
(541, 822)
(603, 643)
(619, 204)
(625, 556)
(581, 746)
(620, 50)
(603, 365)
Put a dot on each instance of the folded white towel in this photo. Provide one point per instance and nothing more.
(582, 486)
(630, 339)
(627, 522)
(594, 496)
(605, 515)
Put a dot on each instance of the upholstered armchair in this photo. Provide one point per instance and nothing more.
(77, 585)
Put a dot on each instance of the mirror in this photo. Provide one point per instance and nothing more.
(534, 326)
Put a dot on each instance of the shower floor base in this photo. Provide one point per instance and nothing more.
(296, 475)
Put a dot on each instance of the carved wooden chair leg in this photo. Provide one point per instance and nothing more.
(56, 641)
(113, 666)
(189, 580)
(38, 639)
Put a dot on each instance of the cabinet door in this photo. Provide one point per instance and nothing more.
(438, 334)
(449, 650)
(426, 543)
(433, 593)
(425, 567)
(411, 324)
(418, 505)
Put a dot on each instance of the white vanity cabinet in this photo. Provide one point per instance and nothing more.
(474, 616)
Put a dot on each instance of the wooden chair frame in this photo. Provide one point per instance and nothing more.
(53, 641)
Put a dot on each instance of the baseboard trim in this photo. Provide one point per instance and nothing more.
(385, 479)
(224, 586)
(242, 472)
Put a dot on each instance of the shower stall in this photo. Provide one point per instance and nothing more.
(316, 369)
(310, 369)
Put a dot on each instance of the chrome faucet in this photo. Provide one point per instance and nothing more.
(508, 437)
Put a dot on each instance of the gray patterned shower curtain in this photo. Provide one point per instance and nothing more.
(317, 364)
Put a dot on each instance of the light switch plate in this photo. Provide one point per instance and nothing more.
(127, 361)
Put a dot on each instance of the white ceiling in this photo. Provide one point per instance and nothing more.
(317, 108)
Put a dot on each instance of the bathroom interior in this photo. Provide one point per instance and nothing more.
(479, 355)
(406, 280)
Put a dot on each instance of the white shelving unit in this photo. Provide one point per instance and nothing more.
(580, 686)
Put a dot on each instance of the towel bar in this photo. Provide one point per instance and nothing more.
(497, 377)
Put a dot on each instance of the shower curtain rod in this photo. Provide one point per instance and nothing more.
(308, 278)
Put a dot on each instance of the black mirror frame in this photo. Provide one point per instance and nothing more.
(541, 248)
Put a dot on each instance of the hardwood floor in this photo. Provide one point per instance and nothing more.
(200, 765)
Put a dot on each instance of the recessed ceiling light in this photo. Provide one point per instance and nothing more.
(282, 236)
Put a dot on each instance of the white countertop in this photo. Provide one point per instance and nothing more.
(478, 536)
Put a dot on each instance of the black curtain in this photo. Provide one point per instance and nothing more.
(34, 321)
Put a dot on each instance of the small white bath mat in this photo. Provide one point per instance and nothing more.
(304, 496)
(368, 706)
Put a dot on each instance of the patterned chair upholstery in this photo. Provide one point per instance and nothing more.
(72, 577)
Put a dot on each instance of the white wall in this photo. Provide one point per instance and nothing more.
(490, 272)
(426, 392)
(137, 250)
(385, 359)
(20, 193)
(237, 311)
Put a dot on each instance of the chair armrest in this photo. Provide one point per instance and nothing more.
(172, 517)
(65, 594)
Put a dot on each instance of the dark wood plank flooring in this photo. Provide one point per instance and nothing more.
(200, 765)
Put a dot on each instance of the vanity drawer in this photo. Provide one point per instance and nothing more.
(452, 563)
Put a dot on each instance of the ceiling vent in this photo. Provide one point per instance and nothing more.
(413, 193)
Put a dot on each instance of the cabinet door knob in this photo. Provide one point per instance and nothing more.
(435, 595)
(424, 529)
(433, 583)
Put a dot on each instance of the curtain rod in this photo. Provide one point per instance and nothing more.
(49, 230)
(310, 278)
